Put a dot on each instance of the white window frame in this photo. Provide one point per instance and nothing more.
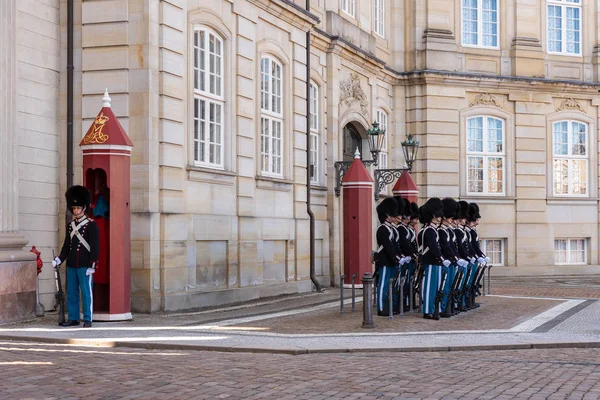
(564, 5)
(486, 155)
(569, 242)
(211, 97)
(381, 117)
(480, 26)
(487, 251)
(271, 117)
(314, 133)
(349, 7)
(570, 158)
(379, 17)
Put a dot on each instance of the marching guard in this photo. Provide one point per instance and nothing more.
(387, 254)
(80, 252)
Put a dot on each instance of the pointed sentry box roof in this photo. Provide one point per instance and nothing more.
(357, 171)
(405, 184)
(106, 129)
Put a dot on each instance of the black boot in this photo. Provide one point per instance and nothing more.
(70, 323)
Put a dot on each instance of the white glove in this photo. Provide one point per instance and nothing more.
(472, 260)
(446, 263)
(487, 260)
(480, 260)
(90, 271)
(56, 262)
(407, 259)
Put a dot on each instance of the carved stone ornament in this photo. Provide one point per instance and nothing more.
(485, 99)
(570, 104)
(350, 91)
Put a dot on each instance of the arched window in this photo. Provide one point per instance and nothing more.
(271, 104)
(314, 133)
(486, 156)
(570, 157)
(208, 98)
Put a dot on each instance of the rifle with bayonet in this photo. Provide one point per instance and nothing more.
(454, 290)
(59, 296)
(439, 295)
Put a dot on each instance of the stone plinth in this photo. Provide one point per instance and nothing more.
(17, 291)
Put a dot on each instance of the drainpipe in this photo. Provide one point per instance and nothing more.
(311, 215)
(69, 94)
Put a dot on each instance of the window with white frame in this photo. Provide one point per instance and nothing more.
(494, 249)
(486, 155)
(480, 23)
(382, 119)
(564, 26)
(570, 251)
(314, 133)
(208, 98)
(570, 158)
(271, 104)
(348, 7)
(379, 13)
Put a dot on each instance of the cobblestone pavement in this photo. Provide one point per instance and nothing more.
(38, 371)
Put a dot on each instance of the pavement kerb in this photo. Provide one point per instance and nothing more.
(297, 350)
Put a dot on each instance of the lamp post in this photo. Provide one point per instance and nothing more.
(375, 137)
(384, 177)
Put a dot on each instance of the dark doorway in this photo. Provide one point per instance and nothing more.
(352, 140)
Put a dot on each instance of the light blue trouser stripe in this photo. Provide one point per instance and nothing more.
(450, 273)
(431, 284)
(76, 280)
(473, 272)
(463, 283)
(385, 273)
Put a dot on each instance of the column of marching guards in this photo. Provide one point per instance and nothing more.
(443, 262)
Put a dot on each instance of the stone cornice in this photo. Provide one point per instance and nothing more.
(289, 12)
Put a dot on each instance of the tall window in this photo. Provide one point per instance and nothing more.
(314, 133)
(271, 117)
(348, 6)
(494, 249)
(570, 251)
(379, 14)
(486, 155)
(208, 98)
(570, 158)
(480, 23)
(564, 26)
(382, 118)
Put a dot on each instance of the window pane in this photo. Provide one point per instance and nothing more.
(561, 176)
(561, 138)
(314, 107)
(475, 174)
(560, 251)
(495, 174)
(554, 28)
(579, 176)
(475, 134)
(577, 251)
(265, 86)
(276, 90)
(469, 13)
(265, 144)
(494, 136)
(490, 23)
(578, 139)
(314, 157)
(573, 30)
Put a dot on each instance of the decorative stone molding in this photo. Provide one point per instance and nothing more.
(570, 104)
(351, 91)
(438, 34)
(485, 99)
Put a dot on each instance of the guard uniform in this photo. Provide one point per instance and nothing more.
(404, 250)
(387, 256)
(80, 252)
(462, 241)
(445, 238)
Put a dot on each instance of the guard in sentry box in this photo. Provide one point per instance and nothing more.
(388, 257)
(80, 251)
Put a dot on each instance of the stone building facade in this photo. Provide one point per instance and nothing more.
(213, 95)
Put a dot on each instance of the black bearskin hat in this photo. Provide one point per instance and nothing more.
(432, 208)
(450, 207)
(414, 210)
(463, 210)
(400, 201)
(408, 209)
(78, 196)
(473, 213)
(388, 207)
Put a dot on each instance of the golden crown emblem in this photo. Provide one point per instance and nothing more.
(95, 135)
(101, 119)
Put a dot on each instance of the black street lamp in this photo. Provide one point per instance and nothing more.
(384, 177)
(375, 136)
(410, 148)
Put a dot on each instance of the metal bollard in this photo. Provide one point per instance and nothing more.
(367, 281)
(391, 298)
(342, 294)
(410, 291)
(402, 296)
(489, 271)
(353, 293)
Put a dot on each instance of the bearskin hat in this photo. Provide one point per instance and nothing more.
(388, 207)
(450, 207)
(414, 210)
(431, 209)
(408, 208)
(463, 210)
(78, 196)
(473, 213)
(400, 201)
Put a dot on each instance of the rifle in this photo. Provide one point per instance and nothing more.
(417, 283)
(477, 282)
(454, 289)
(465, 289)
(438, 297)
(60, 295)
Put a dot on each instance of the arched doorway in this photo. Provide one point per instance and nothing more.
(352, 139)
